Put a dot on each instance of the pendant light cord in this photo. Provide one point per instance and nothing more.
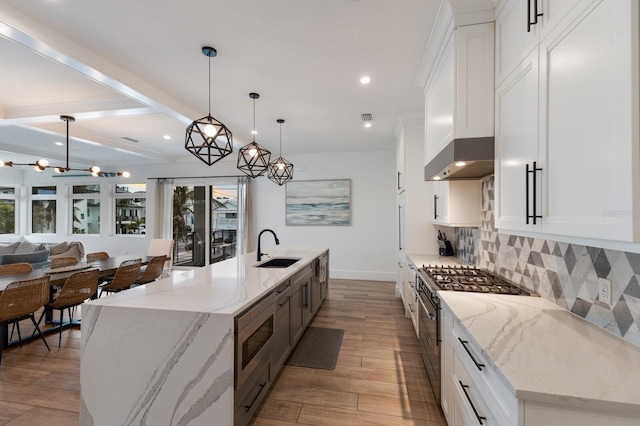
(209, 85)
(280, 139)
(254, 120)
(67, 144)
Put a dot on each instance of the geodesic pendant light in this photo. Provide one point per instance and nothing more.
(280, 170)
(253, 158)
(207, 138)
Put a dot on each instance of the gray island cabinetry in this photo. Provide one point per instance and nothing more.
(201, 347)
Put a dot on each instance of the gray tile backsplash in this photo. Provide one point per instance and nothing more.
(566, 274)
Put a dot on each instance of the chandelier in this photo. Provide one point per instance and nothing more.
(280, 170)
(253, 158)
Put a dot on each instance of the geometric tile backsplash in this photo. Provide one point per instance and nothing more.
(566, 274)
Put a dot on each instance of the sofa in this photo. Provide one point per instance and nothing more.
(39, 254)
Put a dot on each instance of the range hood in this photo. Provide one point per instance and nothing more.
(477, 154)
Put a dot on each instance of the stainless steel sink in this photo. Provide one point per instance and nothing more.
(278, 262)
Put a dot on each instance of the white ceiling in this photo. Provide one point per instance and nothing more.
(135, 69)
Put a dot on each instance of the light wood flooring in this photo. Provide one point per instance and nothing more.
(379, 379)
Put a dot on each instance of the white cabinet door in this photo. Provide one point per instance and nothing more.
(457, 203)
(588, 89)
(516, 145)
(439, 107)
(513, 41)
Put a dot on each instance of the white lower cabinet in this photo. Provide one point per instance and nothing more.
(474, 391)
(409, 294)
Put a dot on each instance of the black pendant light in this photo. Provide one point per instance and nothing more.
(253, 158)
(207, 138)
(280, 170)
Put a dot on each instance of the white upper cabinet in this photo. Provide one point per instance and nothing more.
(457, 203)
(571, 105)
(519, 29)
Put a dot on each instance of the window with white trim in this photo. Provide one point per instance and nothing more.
(130, 208)
(43, 209)
(85, 209)
(7, 210)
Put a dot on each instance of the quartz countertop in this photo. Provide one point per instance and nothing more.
(226, 287)
(433, 259)
(547, 354)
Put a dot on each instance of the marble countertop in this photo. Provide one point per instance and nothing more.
(433, 259)
(547, 354)
(226, 287)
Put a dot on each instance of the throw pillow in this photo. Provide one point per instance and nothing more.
(59, 248)
(27, 247)
(9, 249)
(33, 257)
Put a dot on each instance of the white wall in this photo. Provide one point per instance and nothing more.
(363, 250)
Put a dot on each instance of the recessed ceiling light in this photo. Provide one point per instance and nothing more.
(367, 125)
(167, 137)
(365, 80)
(59, 143)
(460, 163)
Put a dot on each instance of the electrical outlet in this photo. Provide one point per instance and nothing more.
(605, 291)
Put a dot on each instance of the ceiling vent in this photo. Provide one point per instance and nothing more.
(367, 117)
(130, 139)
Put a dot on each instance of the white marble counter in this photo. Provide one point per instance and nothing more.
(226, 287)
(433, 259)
(163, 353)
(547, 354)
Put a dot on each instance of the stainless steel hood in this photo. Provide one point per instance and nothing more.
(476, 153)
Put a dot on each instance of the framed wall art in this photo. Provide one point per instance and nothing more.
(318, 202)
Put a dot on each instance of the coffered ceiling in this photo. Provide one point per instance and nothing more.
(132, 72)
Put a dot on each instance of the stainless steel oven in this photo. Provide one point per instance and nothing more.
(254, 339)
(429, 332)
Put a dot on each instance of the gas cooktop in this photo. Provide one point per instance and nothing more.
(469, 278)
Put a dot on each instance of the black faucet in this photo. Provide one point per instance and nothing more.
(260, 235)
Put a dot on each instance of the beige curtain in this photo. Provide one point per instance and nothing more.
(164, 209)
(244, 210)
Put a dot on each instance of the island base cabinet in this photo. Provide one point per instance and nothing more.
(301, 305)
(282, 335)
(253, 392)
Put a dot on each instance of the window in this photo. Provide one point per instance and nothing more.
(7, 210)
(43, 210)
(131, 208)
(86, 209)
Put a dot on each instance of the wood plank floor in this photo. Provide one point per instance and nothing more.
(379, 379)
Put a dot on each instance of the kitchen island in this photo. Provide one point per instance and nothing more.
(163, 353)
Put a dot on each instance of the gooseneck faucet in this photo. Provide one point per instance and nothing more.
(260, 235)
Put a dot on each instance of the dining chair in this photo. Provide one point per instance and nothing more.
(99, 255)
(15, 268)
(75, 290)
(159, 247)
(127, 274)
(21, 299)
(153, 270)
(59, 262)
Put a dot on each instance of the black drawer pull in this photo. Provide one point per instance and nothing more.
(464, 345)
(248, 407)
(478, 416)
(284, 288)
(286, 299)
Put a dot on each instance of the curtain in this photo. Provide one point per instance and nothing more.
(164, 209)
(244, 210)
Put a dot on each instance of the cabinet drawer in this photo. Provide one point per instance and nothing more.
(484, 377)
(470, 406)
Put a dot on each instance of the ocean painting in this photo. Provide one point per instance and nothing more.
(319, 202)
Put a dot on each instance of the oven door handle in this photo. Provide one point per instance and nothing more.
(426, 311)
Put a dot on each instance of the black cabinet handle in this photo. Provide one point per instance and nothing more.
(286, 299)
(536, 15)
(248, 407)
(399, 227)
(306, 295)
(478, 416)
(464, 343)
(285, 288)
(435, 206)
(398, 181)
(534, 170)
